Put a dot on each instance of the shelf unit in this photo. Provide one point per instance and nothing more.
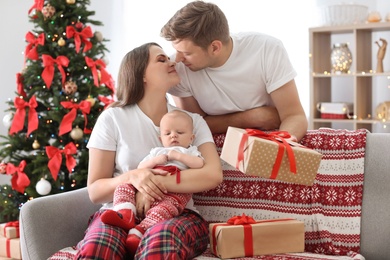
(362, 86)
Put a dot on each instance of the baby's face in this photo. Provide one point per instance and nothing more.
(176, 131)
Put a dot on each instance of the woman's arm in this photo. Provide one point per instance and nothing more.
(197, 180)
(101, 183)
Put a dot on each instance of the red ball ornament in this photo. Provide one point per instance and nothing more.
(79, 25)
(69, 87)
(3, 168)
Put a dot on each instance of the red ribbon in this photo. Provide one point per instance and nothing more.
(246, 222)
(66, 123)
(18, 121)
(277, 137)
(80, 37)
(31, 49)
(14, 224)
(55, 156)
(105, 77)
(171, 169)
(19, 179)
(106, 101)
(38, 5)
(48, 71)
(8, 245)
(19, 83)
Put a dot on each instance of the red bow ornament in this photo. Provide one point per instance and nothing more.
(19, 179)
(279, 138)
(33, 42)
(95, 65)
(48, 71)
(19, 84)
(66, 123)
(18, 121)
(38, 5)
(106, 101)
(80, 37)
(55, 156)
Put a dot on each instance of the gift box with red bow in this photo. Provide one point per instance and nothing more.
(242, 236)
(10, 229)
(270, 155)
(10, 248)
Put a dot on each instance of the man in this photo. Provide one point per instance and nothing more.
(244, 80)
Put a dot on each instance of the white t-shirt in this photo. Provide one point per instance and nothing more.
(131, 134)
(191, 150)
(258, 65)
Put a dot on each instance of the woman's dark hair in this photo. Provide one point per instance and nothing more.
(199, 22)
(130, 85)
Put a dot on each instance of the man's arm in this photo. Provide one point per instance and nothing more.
(266, 118)
(289, 107)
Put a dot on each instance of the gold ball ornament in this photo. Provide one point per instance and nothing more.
(98, 36)
(36, 145)
(70, 2)
(48, 11)
(61, 42)
(91, 100)
(76, 133)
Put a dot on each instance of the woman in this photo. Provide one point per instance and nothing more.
(122, 136)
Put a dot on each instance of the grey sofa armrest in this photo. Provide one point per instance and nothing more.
(48, 224)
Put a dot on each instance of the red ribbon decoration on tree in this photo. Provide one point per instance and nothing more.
(55, 156)
(48, 71)
(18, 121)
(277, 137)
(104, 75)
(19, 179)
(31, 49)
(38, 5)
(19, 83)
(80, 37)
(66, 123)
(106, 101)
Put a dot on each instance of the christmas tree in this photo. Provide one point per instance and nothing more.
(61, 91)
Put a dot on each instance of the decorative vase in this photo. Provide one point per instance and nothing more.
(341, 58)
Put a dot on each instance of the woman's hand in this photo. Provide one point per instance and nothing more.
(147, 182)
(142, 205)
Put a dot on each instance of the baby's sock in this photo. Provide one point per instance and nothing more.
(121, 216)
(133, 239)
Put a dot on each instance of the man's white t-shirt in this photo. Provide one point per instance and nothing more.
(131, 134)
(258, 65)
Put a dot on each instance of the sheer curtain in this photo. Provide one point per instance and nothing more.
(140, 21)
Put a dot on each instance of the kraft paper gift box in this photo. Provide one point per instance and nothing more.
(269, 155)
(264, 237)
(10, 248)
(10, 229)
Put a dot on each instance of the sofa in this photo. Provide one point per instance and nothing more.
(358, 173)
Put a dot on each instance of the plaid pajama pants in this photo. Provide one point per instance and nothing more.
(179, 238)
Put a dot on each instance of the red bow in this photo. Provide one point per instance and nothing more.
(48, 71)
(19, 179)
(19, 83)
(18, 121)
(106, 101)
(80, 37)
(55, 156)
(38, 5)
(105, 77)
(279, 138)
(240, 220)
(31, 49)
(66, 123)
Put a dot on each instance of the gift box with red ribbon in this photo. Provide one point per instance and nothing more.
(10, 229)
(242, 236)
(270, 155)
(10, 248)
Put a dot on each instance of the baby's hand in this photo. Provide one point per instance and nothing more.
(172, 155)
(161, 159)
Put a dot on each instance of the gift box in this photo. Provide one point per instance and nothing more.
(270, 155)
(10, 248)
(333, 110)
(10, 229)
(245, 237)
